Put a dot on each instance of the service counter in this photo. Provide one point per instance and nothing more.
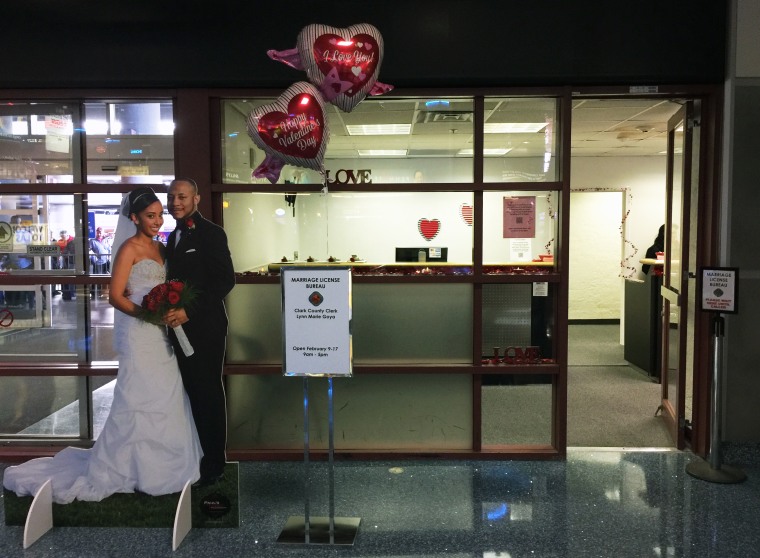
(642, 330)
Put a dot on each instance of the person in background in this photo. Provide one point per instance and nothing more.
(657, 246)
(66, 244)
(99, 260)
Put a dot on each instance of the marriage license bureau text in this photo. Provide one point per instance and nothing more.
(317, 322)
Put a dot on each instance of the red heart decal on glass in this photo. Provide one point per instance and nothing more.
(293, 128)
(466, 212)
(429, 228)
(344, 63)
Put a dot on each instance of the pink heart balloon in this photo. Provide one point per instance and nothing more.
(293, 128)
(343, 63)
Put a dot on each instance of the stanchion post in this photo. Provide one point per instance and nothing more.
(713, 470)
(718, 329)
(306, 459)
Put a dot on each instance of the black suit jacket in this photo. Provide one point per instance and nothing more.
(202, 259)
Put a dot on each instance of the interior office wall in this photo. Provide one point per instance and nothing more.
(595, 285)
(644, 179)
(428, 43)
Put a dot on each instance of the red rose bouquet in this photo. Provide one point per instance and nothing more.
(162, 298)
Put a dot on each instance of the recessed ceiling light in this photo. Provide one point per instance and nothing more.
(382, 152)
(513, 127)
(495, 152)
(379, 129)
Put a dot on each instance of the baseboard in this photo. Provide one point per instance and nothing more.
(610, 321)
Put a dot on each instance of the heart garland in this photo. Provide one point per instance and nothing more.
(429, 228)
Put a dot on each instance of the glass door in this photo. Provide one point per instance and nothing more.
(674, 290)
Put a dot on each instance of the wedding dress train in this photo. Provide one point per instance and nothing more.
(149, 441)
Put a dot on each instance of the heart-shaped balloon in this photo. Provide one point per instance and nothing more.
(342, 63)
(291, 130)
(429, 228)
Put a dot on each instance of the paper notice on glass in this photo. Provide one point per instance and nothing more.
(541, 288)
(58, 133)
(316, 321)
(519, 250)
(520, 217)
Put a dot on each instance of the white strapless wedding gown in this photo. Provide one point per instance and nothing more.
(149, 441)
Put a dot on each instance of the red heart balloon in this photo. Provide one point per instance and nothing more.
(429, 228)
(293, 128)
(344, 63)
(466, 211)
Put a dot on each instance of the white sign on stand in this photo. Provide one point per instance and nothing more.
(316, 307)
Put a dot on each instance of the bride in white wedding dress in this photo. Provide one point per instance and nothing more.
(149, 442)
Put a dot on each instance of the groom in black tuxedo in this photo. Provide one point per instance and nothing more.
(198, 254)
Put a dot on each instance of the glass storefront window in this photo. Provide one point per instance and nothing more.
(39, 142)
(367, 230)
(518, 324)
(129, 142)
(46, 322)
(516, 410)
(34, 232)
(519, 231)
(44, 406)
(521, 137)
(375, 412)
(383, 141)
(392, 324)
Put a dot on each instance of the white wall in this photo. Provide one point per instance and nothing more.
(595, 284)
(644, 203)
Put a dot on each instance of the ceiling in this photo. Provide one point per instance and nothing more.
(600, 127)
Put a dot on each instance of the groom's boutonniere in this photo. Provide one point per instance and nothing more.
(190, 224)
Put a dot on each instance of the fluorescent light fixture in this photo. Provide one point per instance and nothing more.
(166, 127)
(19, 128)
(379, 129)
(488, 152)
(513, 127)
(382, 152)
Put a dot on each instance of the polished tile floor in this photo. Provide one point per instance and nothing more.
(608, 503)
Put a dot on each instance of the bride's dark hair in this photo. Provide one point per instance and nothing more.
(139, 199)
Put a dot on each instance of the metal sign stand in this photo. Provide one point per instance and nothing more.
(713, 470)
(319, 530)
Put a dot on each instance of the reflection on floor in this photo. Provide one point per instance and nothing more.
(621, 504)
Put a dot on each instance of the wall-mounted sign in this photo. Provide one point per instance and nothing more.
(720, 289)
(316, 320)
